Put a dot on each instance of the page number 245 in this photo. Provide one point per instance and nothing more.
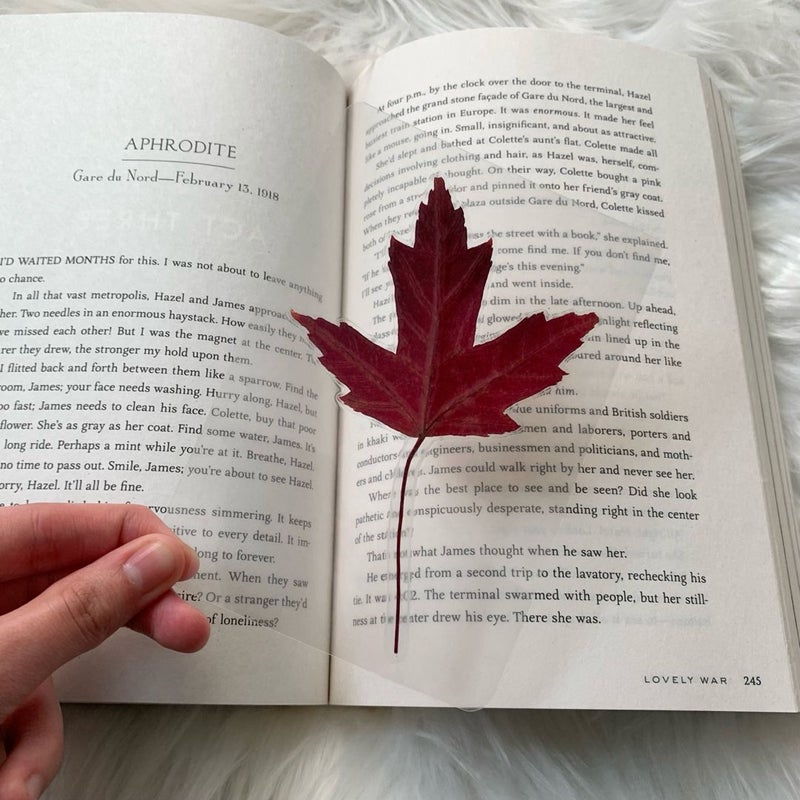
(752, 680)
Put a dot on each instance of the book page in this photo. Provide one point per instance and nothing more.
(615, 553)
(172, 188)
(765, 401)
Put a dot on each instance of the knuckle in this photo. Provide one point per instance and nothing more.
(87, 613)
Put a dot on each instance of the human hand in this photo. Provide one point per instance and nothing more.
(70, 575)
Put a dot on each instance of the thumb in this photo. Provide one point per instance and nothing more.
(84, 608)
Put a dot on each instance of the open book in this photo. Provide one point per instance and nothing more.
(174, 186)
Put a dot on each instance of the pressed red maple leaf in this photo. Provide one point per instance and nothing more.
(439, 382)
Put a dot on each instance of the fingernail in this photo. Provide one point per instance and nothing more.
(35, 786)
(193, 564)
(149, 567)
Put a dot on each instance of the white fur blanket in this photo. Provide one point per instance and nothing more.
(164, 753)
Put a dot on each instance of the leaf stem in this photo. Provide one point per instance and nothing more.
(398, 583)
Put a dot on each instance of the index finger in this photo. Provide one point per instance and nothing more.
(47, 537)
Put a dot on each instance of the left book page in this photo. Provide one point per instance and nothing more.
(171, 187)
